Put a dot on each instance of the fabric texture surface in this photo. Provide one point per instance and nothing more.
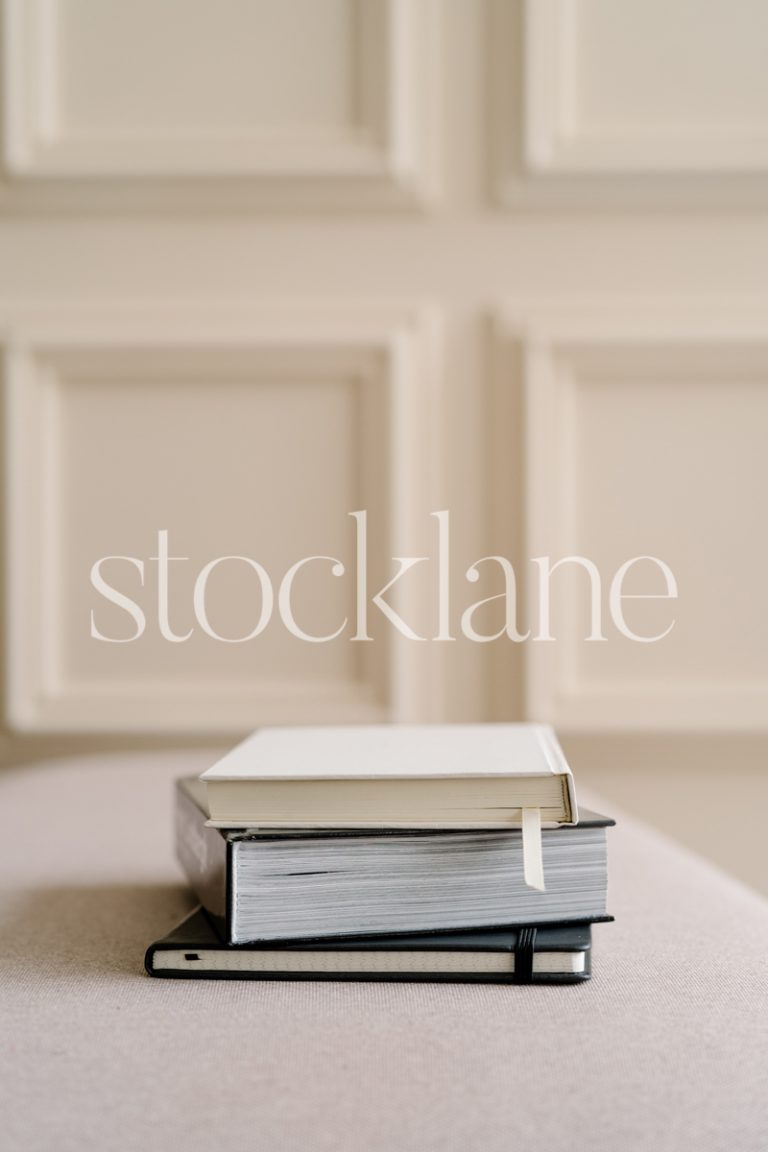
(666, 1048)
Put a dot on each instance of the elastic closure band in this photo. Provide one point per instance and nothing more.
(524, 950)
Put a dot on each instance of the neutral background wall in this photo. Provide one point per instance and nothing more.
(263, 264)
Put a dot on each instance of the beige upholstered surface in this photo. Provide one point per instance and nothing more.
(666, 1049)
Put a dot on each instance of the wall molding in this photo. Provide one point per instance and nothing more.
(550, 340)
(389, 158)
(541, 160)
(399, 340)
(555, 141)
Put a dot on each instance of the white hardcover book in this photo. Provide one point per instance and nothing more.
(411, 776)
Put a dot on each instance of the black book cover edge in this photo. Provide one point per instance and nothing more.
(196, 932)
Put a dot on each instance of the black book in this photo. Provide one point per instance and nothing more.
(524, 955)
(270, 884)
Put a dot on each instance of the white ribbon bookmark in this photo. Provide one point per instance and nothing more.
(533, 865)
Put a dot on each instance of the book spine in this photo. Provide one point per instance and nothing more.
(202, 853)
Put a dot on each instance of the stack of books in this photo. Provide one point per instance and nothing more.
(388, 853)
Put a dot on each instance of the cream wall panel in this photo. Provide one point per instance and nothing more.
(292, 96)
(645, 86)
(644, 434)
(187, 235)
(248, 432)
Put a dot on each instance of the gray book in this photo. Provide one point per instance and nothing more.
(293, 884)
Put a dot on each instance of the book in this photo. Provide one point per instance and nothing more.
(525, 955)
(466, 775)
(268, 884)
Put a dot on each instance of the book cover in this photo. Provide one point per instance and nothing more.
(400, 775)
(523, 955)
